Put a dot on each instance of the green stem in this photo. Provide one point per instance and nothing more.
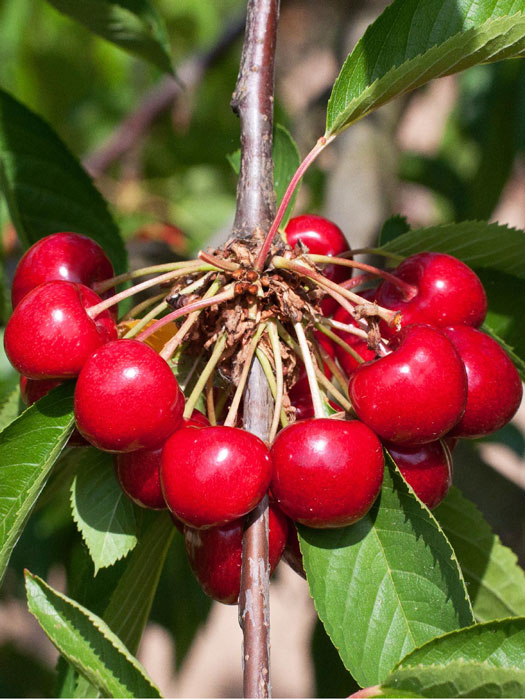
(319, 410)
(146, 319)
(339, 341)
(279, 388)
(268, 373)
(232, 413)
(206, 372)
(101, 287)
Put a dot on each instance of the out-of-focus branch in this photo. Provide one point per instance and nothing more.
(160, 98)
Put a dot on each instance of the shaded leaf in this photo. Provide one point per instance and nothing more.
(393, 227)
(45, 187)
(134, 25)
(88, 643)
(495, 581)
(29, 446)
(415, 41)
(386, 584)
(286, 160)
(10, 407)
(483, 661)
(103, 513)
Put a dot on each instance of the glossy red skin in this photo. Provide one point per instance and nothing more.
(417, 393)
(215, 554)
(213, 475)
(427, 468)
(326, 472)
(494, 385)
(292, 554)
(196, 420)
(347, 362)
(448, 292)
(31, 390)
(60, 256)
(322, 237)
(127, 398)
(138, 474)
(50, 335)
(301, 399)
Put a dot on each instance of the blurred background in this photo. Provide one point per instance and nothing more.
(452, 151)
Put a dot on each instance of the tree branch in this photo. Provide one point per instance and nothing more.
(253, 102)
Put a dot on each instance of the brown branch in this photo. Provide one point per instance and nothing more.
(253, 102)
(160, 98)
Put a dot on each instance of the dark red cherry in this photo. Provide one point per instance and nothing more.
(292, 554)
(326, 472)
(446, 292)
(301, 399)
(60, 256)
(322, 237)
(417, 393)
(347, 361)
(127, 398)
(215, 554)
(31, 390)
(427, 468)
(138, 474)
(50, 335)
(213, 475)
(196, 420)
(494, 385)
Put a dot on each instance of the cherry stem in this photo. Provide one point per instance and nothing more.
(94, 311)
(279, 388)
(339, 341)
(390, 317)
(203, 303)
(373, 251)
(232, 413)
(342, 380)
(205, 374)
(347, 328)
(409, 290)
(170, 347)
(155, 311)
(139, 308)
(355, 281)
(303, 167)
(101, 287)
(319, 410)
(268, 373)
(225, 265)
(210, 406)
(330, 389)
(185, 383)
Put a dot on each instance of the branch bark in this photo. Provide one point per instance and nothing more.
(253, 102)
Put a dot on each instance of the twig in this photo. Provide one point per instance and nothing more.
(253, 102)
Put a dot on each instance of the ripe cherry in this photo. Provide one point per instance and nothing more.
(326, 472)
(213, 475)
(60, 256)
(346, 360)
(494, 385)
(50, 335)
(322, 237)
(196, 420)
(417, 393)
(127, 398)
(215, 554)
(446, 292)
(31, 390)
(300, 396)
(427, 468)
(139, 476)
(292, 554)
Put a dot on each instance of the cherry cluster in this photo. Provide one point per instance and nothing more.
(401, 365)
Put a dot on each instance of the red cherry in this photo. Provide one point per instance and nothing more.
(347, 361)
(322, 237)
(196, 420)
(213, 475)
(51, 335)
(447, 292)
(215, 554)
(494, 385)
(301, 399)
(292, 554)
(139, 476)
(427, 468)
(31, 390)
(326, 472)
(415, 394)
(127, 398)
(60, 256)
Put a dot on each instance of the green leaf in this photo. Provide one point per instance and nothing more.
(483, 661)
(103, 513)
(87, 643)
(45, 187)
(415, 41)
(385, 585)
(29, 447)
(10, 407)
(393, 227)
(286, 160)
(134, 25)
(495, 581)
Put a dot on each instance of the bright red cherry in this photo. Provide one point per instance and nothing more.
(215, 554)
(292, 554)
(347, 361)
(213, 475)
(494, 385)
(417, 393)
(50, 334)
(127, 398)
(326, 472)
(138, 474)
(322, 237)
(427, 468)
(446, 292)
(60, 256)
